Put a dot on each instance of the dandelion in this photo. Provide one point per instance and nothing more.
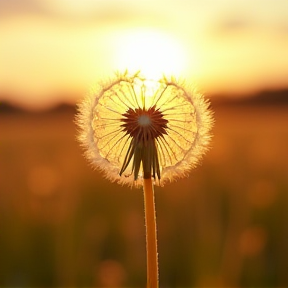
(133, 128)
(140, 131)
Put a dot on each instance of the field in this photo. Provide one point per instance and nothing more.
(63, 225)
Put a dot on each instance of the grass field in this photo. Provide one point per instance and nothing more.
(63, 225)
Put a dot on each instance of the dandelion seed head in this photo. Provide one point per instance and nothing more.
(133, 128)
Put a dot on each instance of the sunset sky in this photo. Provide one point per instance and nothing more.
(54, 50)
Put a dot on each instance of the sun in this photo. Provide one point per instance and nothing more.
(151, 51)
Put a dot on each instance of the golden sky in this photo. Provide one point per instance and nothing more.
(55, 50)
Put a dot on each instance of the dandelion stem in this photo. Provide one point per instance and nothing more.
(151, 236)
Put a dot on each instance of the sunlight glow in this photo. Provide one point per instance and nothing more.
(72, 7)
(150, 51)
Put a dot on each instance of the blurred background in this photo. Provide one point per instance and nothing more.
(63, 225)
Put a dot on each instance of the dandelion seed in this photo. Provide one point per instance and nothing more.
(135, 128)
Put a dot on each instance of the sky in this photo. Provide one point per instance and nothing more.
(54, 51)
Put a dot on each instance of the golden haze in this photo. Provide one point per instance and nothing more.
(53, 51)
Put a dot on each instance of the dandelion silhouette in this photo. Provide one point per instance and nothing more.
(143, 132)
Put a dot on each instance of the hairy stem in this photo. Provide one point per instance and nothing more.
(151, 236)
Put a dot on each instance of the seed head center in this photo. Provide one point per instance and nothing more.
(144, 120)
(144, 127)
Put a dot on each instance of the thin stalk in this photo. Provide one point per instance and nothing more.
(151, 236)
